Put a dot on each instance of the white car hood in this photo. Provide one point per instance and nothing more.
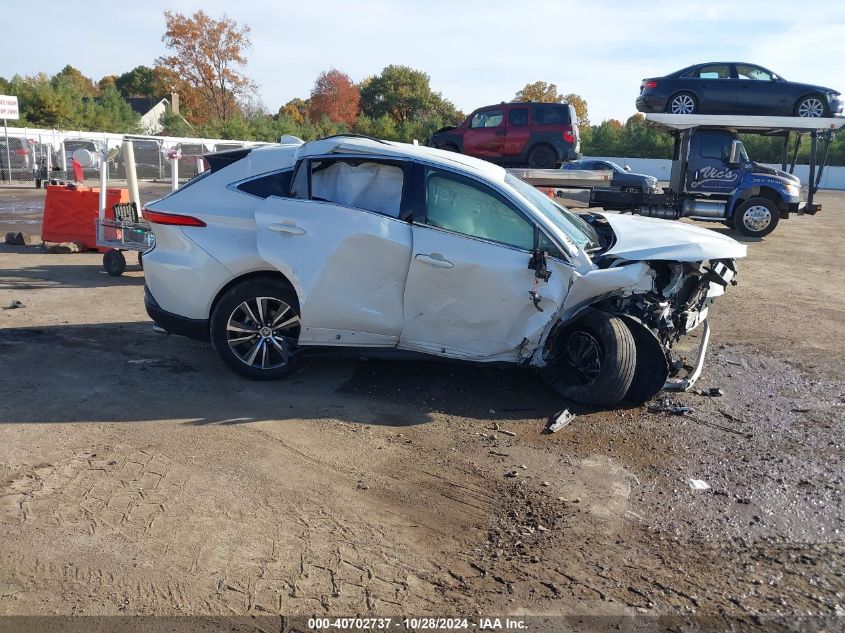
(639, 238)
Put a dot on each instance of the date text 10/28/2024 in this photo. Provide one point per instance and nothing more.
(416, 624)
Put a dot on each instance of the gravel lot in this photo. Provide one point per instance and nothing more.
(139, 476)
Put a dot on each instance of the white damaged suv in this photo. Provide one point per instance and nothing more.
(375, 246)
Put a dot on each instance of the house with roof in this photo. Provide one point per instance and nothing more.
(152, 111)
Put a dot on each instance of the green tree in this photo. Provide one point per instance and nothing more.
(142, 81)
(402, 93)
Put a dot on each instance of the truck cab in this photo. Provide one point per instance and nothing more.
(719, 182)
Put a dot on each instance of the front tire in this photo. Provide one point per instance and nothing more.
(682, 103)
(756, 217)
(811, 107)
(255, 329)
(593, 361)
(542, 157)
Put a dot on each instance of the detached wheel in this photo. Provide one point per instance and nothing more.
(756, 217)
(811, 107)
(542, 157)
(255, 329)
(682, 103)
(594, 360)
(114, 262)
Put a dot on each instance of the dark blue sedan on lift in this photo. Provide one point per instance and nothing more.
(735, 88)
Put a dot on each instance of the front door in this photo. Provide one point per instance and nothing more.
(758, 92)
(467, 294)
(708, 170)
(344, 249)
(485, 134)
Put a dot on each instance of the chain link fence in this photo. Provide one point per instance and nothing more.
(36, 156)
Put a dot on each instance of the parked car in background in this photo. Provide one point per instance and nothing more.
(622, 178)
(190, 153)
(95, 146)
(735, 88)
(17, 159)
(150, 161)
(540, 135)
(348, 242)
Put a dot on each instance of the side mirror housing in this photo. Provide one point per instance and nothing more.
(734, 158)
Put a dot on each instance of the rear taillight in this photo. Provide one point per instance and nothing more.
(22, 152)
(173, 219)
(650, 84)
(568, 134)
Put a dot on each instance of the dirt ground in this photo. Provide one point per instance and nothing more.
(139, 476)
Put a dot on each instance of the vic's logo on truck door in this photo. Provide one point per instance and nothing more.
(714, 176)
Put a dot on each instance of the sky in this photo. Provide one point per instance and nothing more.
(477, 52)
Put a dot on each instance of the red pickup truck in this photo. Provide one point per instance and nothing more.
(540, 135)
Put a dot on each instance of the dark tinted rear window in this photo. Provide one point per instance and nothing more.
(277, 184)
(551, 114)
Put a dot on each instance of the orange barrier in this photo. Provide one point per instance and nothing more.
(69, 214)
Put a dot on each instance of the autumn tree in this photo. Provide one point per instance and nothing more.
(539, 91)
(296, 109)
(334, 95)
(209, 55)
(577, 102)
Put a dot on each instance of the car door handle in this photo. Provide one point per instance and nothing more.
(435, 259)
(501, 132)
(291, 229)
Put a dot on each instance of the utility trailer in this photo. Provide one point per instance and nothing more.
(712, 177)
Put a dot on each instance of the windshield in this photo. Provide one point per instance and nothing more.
(577, 229)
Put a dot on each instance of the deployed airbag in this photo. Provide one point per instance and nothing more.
(372, 186)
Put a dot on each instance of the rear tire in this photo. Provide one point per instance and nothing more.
(255, 328)
(682, 103)
(542, 157)
(756, 217)
(594, 360)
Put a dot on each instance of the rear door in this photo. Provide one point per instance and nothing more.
(467, 294)
(715, 87)
(485, 135)
(342, 244)
(518, 132)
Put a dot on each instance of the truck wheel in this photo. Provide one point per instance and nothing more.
(756, 217)
(542, 157)
(594, 360)
(811, 107)
(38, 183)
(682, 103)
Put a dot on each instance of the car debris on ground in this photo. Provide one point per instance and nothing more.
(667, 405)
(14, 305)
(698, 484)
(559, 420)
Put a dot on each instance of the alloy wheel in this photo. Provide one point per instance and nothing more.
(261, 331)
(583, 355)
(811, 108)
(682, 104)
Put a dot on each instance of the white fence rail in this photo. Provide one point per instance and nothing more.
(832, 177)
(31, 149)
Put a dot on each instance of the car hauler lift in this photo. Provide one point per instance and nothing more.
(712, 177)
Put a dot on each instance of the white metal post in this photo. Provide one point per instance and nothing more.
(104, 182)
(8, 160)
(174, 174)
(131, 174)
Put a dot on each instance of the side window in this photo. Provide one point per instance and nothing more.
(714, 71)
(744, 71)
(714, 145)
(487, 118)
(368, 185)
(549, 247)
(474, 210)
(518, 116)
(277, 184)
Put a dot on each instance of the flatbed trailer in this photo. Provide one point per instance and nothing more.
(712, 177)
